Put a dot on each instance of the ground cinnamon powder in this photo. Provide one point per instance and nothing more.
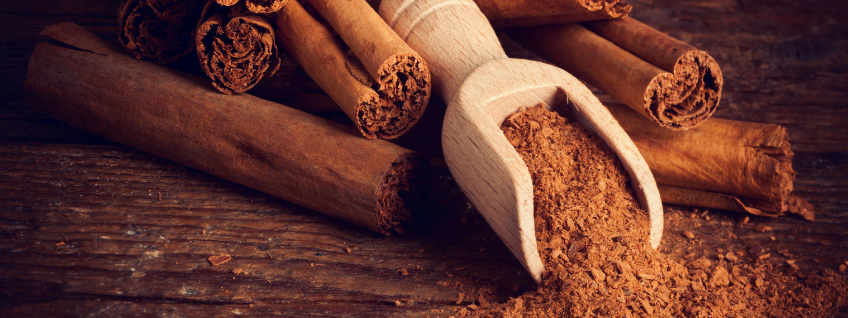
(593, 239)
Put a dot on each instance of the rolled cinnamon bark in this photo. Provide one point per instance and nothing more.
(236, 49)
(401, 76)
(726, 164)
(378, 110)
(257, 6)
(519, 13)
(673, 84)
(158, 30)
(82, 80)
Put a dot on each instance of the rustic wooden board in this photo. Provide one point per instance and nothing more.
(90, 227)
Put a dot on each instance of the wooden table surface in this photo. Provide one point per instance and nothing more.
(89, 227)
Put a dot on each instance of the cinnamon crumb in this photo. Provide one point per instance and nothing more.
(598, 259)
(216, 260)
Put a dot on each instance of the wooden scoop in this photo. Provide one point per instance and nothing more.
(482, 87)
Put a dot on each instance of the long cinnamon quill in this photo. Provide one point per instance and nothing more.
(724, 164)
(675, 85)
(82, 80)
(518, 13)
(384, 94)
(236, 49)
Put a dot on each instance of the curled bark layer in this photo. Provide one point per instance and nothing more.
(673, 84)
(382, 105)
(236, 51)
(284, 152)
(401, 76)
(691, 92)
(158, 30)
(257, 6)
(726, 164)
(512, 13)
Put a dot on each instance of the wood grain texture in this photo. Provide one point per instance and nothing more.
(783, 63)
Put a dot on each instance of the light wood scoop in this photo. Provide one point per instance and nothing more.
(482, 87)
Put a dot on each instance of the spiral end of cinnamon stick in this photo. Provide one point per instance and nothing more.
(404, 90)
(617, 9)
(265, 6)
(158, 31)
(402, 186)
(237, 54)
(257, 6)
(685, 98)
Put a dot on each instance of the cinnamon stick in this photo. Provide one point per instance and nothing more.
(726, 164)
(520, 13)
(400, 75)
(158, 30)
(383, 101)
(83, 81)
(236, 49)
(257, 6)
(673, 84)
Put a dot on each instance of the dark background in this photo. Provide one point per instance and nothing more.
(93, 228)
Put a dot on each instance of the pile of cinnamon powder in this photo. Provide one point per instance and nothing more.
(593, 239)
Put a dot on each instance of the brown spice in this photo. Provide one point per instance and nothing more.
(376, 79)
(304, 159)
(216, 260)
(236, 49)
(582, 197)
(516, 13)
(158, 31)
(257, 6)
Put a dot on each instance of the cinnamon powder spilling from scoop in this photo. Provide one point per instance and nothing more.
(593, 239)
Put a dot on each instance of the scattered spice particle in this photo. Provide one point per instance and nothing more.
(237, 271)
(730, 256)
(762, 228)
(347, 249)
(599, 276)
(459, 298)
(216, 260)
(403, 271)
(792, 264)
(689, 234)
(60, 244)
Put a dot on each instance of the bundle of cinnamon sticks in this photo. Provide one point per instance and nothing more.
(667, 90)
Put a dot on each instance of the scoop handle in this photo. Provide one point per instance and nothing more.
(453, 36)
